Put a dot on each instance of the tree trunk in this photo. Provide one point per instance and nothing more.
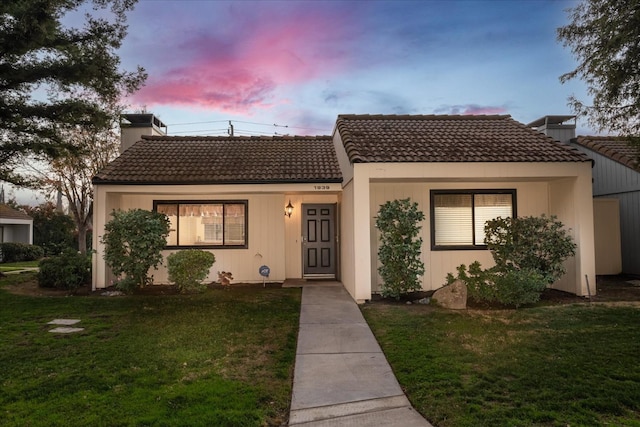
(82, 238)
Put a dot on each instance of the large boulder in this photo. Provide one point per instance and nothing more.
(453, 296)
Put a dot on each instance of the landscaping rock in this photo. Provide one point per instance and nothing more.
(112, 293)
(453, 296)
(425, 301)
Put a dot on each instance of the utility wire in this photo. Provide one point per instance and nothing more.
(245, 122)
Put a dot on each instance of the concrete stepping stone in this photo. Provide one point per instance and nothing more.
(65, 330)
(65, 322)
(64, 327)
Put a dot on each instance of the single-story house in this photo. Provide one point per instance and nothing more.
(229, 195)
(616, 176)
(15, 226)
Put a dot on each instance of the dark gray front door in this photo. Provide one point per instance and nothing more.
(319, 240)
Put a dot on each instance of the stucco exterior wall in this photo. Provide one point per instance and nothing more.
(347, 243)
(561, 189)
(531, 199)
(293, 228)
(273, 238)
(606, 218)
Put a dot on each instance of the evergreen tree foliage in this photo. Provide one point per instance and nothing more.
(55, 77)
(604, 37)
(52, 230)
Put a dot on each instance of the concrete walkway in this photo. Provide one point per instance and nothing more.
(341, 376)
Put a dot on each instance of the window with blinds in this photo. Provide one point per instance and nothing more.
(458, 218)
(206, 224)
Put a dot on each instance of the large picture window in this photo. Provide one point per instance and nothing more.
(458, 217)
(206, 224)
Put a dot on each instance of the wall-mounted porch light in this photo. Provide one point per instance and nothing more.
(288, 210)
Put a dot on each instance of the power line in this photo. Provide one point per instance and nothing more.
(248, 123)
(197, 123)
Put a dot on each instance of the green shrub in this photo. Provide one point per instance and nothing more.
(188, 268)
(512, 288)
(133, 243)
(18, 252)
(70, 270)
(530, 243)
(529, 253)
(400, 247)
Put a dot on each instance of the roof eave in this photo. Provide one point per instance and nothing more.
(224, 182)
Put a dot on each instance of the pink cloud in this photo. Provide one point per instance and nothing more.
(479, 109)
(471, 109)
(240, 67)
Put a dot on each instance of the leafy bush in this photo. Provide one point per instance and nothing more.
(400, 248)
(70, 270)
(528, 252)
(188, 268)
(530, 243)
(52, 230)
(18, 252)
(133, 243)
(511, 288)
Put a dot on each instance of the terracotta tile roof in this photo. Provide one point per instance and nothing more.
(616, 148)
(448, 138)
(7, 212)
(224, 160)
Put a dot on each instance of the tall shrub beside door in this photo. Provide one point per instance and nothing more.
(400, 247)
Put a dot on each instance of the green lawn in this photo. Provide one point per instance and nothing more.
(11, 266)
(222, 358)
(573, 365)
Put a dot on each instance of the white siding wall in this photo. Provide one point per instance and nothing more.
(17, 231)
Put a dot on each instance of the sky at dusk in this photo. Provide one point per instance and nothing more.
(290, 67)
(301, 63)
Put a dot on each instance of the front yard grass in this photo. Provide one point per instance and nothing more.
(222, 358)
(572, 365)
(12, 266)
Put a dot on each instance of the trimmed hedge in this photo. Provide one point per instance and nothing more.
(18, 252)
(70, 270)
(188, 268)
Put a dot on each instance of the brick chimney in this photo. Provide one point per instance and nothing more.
(560, 128)
(133, 126)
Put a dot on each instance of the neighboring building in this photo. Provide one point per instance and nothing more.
(15, 226)
(616, 175)
(228, 195)
(606, 211)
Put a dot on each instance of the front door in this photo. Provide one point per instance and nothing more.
(319, 240)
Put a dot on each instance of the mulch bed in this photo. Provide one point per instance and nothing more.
(609, 289)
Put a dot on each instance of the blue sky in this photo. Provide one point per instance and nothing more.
(301, 63)
(290, 67)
